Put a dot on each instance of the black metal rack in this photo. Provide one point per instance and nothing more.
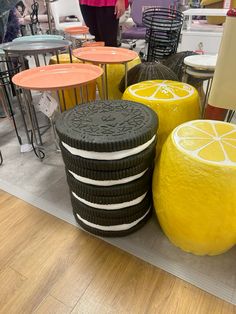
(163, 31)
(8, 68)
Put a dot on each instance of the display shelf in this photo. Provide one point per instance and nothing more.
(199, 35)
(202, 12)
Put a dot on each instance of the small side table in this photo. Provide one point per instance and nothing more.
(201, 67)
(53, 78)
(78, 34)
(105, 56)
(20, 49)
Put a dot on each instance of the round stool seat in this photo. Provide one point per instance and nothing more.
(174, 102)
(201, 62)
(69, 94)
(115, 73)
(194, 187)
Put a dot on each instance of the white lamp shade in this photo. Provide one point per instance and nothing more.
(223, 91)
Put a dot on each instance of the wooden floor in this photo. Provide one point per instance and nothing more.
(48, 266)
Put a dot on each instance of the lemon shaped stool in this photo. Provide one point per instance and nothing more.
(115, 73)
(174, 102)
(69, 94)
(194, 187)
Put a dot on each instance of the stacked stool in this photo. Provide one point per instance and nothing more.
(201, 67)
(108, 148)
(194, 187)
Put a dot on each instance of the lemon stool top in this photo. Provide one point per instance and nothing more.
(194, 187)
(174, 102)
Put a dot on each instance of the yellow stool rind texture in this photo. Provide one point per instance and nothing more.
(195, 201)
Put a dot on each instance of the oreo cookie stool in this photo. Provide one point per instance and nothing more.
(174, 102)
(108, 148)
(194, 187)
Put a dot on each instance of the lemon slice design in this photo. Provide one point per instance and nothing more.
(209, 141)
(194, 187)
(161, 90)
(174, 103)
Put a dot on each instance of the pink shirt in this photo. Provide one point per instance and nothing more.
(101, 3)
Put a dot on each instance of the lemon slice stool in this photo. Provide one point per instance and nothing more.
(194, 187)
(174, 102)
(68, 98)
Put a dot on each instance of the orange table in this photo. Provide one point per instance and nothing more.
(53, 77)
(104, 56)
(80, 33)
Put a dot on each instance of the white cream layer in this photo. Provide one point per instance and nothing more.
(116, 227)
(108, 155)
(111, 206)
(107, 182)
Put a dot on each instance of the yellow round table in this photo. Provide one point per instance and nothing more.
(115, 73)
(69, 94)
(174, 102)
(194, 186)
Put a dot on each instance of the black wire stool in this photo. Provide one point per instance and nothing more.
(163, 31)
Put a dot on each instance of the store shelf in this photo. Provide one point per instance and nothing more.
(205, 12)
(198, 34)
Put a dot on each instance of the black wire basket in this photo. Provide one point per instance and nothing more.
(163, 31)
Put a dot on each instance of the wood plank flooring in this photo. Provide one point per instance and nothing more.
(48, 266)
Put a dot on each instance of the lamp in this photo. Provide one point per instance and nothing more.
(222, 94)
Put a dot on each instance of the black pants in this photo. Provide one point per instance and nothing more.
(102, 23)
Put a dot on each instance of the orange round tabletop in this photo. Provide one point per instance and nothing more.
(94, 44)
(57, 76)
(76, 30)
(105, 55)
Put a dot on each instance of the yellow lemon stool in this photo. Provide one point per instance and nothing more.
(194, 187)
(174, 102)
(69, 94)
(115, 73)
